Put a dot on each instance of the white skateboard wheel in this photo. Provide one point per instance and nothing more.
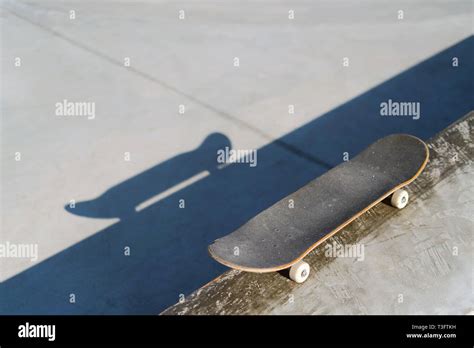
(299, 272)
(399, 199)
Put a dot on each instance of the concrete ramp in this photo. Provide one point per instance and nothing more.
(414, 261)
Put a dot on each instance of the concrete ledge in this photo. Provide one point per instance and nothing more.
(418, 260)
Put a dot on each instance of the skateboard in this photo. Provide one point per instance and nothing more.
(281, 236)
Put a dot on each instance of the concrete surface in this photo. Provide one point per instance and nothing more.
(415, 261)
(190, 62)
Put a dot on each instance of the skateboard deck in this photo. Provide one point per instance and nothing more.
(280, 236)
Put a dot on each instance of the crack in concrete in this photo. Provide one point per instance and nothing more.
(288, 147)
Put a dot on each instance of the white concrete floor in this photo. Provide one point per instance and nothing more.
(190, 62)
